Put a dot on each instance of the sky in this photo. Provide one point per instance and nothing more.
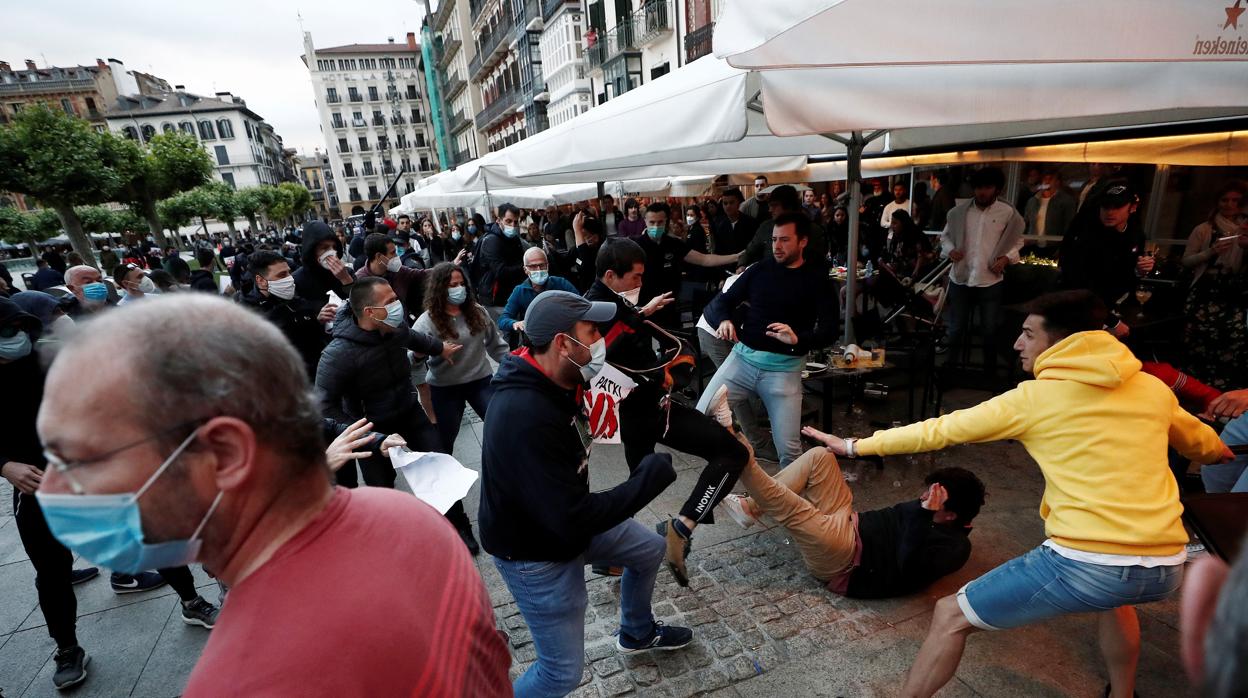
(250, 48)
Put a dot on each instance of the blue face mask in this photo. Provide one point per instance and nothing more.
(456, 236)
(539, 277)
(457, 295)
(472, 229)
(107, 529)
(399, 250)
(509, 231)
(15, 347)
(394, 314)
(97, 291)
(654, 232)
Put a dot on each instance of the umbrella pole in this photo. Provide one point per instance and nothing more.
(853, 173)
(489, 206)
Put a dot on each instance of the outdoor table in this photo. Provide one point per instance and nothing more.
(855, 376)
(1220, 520)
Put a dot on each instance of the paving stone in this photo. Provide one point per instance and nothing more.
(608, 666)
(600, 651)
(801, 646)
(791, 605)
(700, 581)
(514, 622)
(729, 607)
(616, 686)
(711, 679)
(672, 664)
(520, 637)
(589, 691)
(742, 668)
(779, 629)
(702, 616)
(688, 603)
(664, 610)
(741, 623)
(699, 654)
(714, 631)
(752, 639)
(528, 653)
(727, 647)
(645, 675)
(766, 613)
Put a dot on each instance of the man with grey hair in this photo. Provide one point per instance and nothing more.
(537, 269)
(199, 468)
(88, 287)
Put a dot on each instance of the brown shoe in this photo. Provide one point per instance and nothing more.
(678, 548)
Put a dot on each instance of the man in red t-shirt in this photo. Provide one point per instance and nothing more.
(220, 452)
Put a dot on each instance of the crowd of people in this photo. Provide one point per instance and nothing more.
(292, 366)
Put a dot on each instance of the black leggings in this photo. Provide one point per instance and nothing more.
(53, 563)
(642, 425)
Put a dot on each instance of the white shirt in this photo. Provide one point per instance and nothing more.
(1111, 560)
(887, 217)
(984, 229)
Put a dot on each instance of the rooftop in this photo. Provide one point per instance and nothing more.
(180, 102)
(369, 48)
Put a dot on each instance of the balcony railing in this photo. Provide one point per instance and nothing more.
(453, 88)
(458, 122)
(397, 120)
(349, 174)
(356, 97)
(379, 121)
(365, 147)
(495, 111)
(338, 124)
(344, 149)
(47, 86)
(443, 14)
(492, 46)
(374, 97)
(698, 42)
(620, 39)
(550, 7)
(359, 123)
(462, 156)
(449, 48)
(653, 20)
(333, 99)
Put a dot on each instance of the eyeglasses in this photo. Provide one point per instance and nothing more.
(62, 466)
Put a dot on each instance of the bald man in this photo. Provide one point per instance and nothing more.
(537, 269)
(222, 454)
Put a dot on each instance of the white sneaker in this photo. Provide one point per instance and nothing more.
(719, 409)
(732, 504)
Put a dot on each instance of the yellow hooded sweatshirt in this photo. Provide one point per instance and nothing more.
(1098, 427)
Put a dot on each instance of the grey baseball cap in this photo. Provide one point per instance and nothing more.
(553, 312)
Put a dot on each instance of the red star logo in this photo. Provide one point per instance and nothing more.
(1232, 15)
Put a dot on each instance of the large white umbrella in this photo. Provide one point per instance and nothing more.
(965, 71)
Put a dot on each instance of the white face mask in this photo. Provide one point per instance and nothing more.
(632, 297)
(394, 264)
(146, 285)
(283, 288)
(325, 257)
(690, 220)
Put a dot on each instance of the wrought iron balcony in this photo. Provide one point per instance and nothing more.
(453, 88)
(698, 42)
(458, 122)
(653, 20)
(447, 51)
(496, 111)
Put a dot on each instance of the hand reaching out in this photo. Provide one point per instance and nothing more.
(343, 447)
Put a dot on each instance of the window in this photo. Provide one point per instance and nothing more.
(353, 94)
(401, 140)
(372, 94)
(250, 132)
(363, 143)
(383, 143)
(420, 140)
(407, 164)
(206, 131)
(424, 163)
(372, 192)
(331, 95)
(167, 128)
(387, 167)
(91, 108)
(130, 132)
(228, 178)
(187, 127)
(342, 146)
(416, 117)
(336, 120)
(378, 119)
(348, 169)
(368, 168)
(354, 194)
(148, 132)
(412, 93)
(357, 119)
(223, 157)
(225, 128)
(68, 106)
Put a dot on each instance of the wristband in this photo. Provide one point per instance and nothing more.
(849, 448)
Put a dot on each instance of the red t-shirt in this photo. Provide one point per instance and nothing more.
(375, 597)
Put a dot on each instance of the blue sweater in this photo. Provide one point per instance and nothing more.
(522, 295)
(802, 298)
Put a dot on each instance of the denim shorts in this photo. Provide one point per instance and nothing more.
(1043, 584)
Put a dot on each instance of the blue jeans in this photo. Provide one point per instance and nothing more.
(1233, 476)
(780, 391)
(552, 598)
(962, 302)
(1042, 584)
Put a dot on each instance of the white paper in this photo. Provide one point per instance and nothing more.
(602, 402)
(437, 479)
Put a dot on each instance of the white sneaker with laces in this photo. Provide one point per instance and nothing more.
(736, 509)
(719, 409)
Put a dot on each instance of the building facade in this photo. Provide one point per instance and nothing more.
(563, 60)
(244, 149)
(370, 98)
(631, 42)
(507, 68)
(317, 176)
(85, 91)
(460, 97)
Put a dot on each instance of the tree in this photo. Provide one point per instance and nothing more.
(16, 227)
(288, 200)
(251, 201)
(172, 163)
(222, 204)
(60, 161)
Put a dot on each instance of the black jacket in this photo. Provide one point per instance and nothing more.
(535, 498)
(23, 383)
(367, 374)
(903, 551)
(1101, 259)
(500, 266)
(802, 298)
(732, 237)
(312, 281)
(628, 338)
(296, 318)
(203, 280)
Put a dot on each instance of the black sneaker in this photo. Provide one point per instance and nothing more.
(132, 583)
(85, 574)
(664, 637)
(199, 612)
(465, 534)
(71, 667)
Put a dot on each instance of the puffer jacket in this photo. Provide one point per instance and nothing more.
(296, 318)
(364, 373)
(312, 281)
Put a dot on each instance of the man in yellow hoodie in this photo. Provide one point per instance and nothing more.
(1099, 429)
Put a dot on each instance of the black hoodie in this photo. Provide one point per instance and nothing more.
(296, 318)
(535, 498)
(312, 281)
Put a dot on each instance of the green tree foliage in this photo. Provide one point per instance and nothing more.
(171, 163)
(62, 162)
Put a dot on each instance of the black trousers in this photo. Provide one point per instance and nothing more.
(643, 423)
(53, 562)
(421, 435)
(181, 580)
